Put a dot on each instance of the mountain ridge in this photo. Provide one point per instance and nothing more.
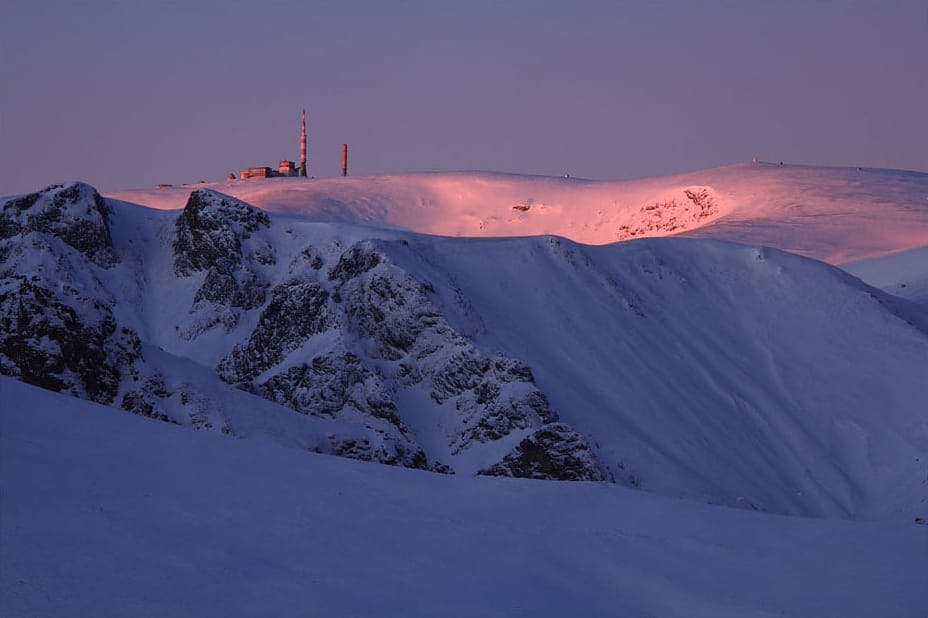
(681, 366)
(819, 212)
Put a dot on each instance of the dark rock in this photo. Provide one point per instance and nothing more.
(211, 234)
(45, 342)
(73, 212)
(356, 260)
(297, 310)
(463, 371)
(329, 383)
(210, 231)
(554, 452)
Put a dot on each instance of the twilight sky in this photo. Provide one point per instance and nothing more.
(122, 94)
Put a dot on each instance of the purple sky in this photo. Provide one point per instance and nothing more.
(123, 95)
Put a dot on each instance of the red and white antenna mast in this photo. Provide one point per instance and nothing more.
(303, 145)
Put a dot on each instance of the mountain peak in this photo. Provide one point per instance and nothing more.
(74, 212)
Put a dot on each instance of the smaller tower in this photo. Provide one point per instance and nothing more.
(344, 159)
(303, 144)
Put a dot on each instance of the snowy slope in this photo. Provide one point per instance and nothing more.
(687, 367)
(700, 369)
(832, 214)
(708, 370)
(105, 514)
(904, 274)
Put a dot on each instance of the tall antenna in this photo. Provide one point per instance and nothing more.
(303, 145)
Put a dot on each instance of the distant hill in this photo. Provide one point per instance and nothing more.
(829, 213)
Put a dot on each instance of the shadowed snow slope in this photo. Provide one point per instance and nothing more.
(904, 274)
(105, 514)
(832, 214)
(706, 369)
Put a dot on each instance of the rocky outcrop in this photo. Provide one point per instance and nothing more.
(217, 234)
(554, 452)
(328, 384)
(485, 397)
(672, 215)
(387, 451)
(57, 328)
(343, 344)
(47, 342)
(297, 310)
(211, 230)
(74, 213)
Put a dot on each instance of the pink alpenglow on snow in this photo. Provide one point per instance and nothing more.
(831, 214)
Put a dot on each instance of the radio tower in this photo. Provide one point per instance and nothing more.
(303, 145)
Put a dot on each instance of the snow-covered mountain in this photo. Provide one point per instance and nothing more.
(106, 514)
(694, 368)
(832, 214)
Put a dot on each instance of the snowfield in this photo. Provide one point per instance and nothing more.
(106, 514)
(832, 214)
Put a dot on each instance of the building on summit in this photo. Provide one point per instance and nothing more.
(285, 167)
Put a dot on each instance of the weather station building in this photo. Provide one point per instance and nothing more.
(285, 167)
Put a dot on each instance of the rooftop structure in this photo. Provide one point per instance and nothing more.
(285, 167)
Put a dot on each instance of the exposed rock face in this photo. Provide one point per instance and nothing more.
(342, 346)
(553, 452)
(73, 212)
(217, 234)
(484, 397)
(348, 343)
(147, 399)
(56, 327)
(674, 214)
(328, 384)
(297, 310)
(211, 230)
(46, 342)
(359, 259)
